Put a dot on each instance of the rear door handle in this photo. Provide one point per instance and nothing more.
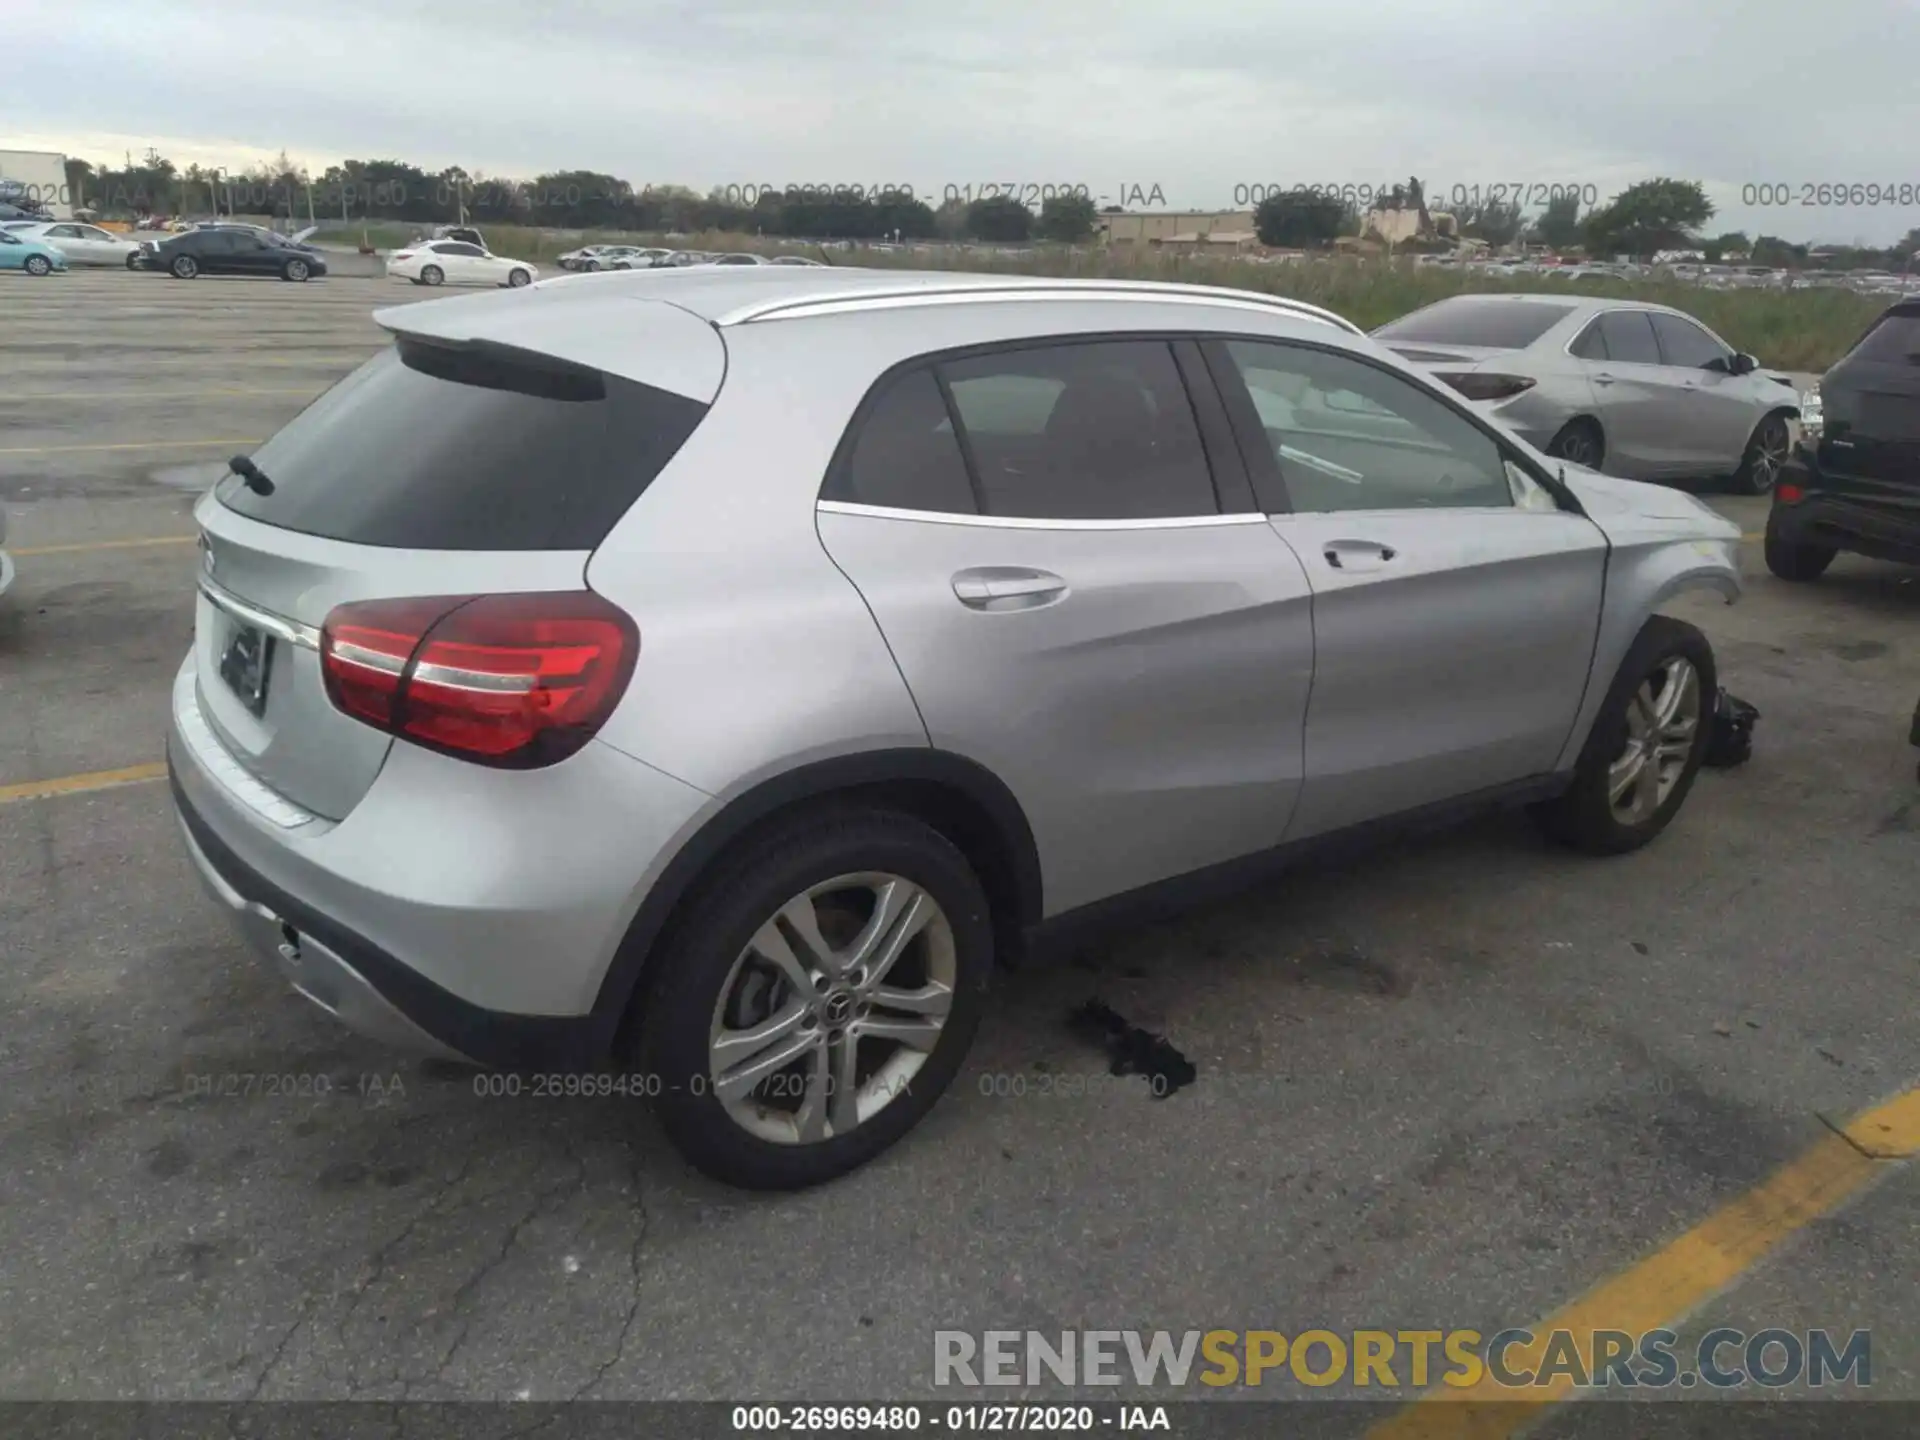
(1006, 587)
(1603, 379)
(1357, 554)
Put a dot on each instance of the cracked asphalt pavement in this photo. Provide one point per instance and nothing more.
(1452, 1084)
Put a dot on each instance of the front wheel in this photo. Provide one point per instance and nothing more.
(133, 262)
(296, 271)
(1765, 456)
(184, 267)
(820, 995)
(591, 266)
(37, 265)
(517, 278)
(1645, 747)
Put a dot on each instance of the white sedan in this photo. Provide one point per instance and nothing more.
(82, 244)
(454, 262)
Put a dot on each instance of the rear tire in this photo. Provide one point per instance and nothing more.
(1579, 442)
(133, 262)
(1766, 453)
(432, 275)
(1796, 560)
(703, 988)
(1591, 815)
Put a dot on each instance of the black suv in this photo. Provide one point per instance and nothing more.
(1853, 483)
(232, 250)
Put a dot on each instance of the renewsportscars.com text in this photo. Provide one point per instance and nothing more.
(1374, 1360)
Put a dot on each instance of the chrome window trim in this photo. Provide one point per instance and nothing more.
(1020, 522)
(843, 302)
(278, 626)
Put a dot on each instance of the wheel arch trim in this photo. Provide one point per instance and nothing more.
(984, 793)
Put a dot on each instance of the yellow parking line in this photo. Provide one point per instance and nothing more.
(130, 445)
(85, 545)
(79, 784)
(1757, 535)
(1672, 1282)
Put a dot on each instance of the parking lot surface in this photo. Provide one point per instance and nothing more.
(1455, 1084)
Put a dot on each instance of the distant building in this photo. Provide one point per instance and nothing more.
(36, 180)
(1190, 228)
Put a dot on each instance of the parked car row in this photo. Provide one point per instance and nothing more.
(590, 258)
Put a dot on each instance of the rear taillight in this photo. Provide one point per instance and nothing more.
(1476, 385)
(517, 681)
(1788, 494)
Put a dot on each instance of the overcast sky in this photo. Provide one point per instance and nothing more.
(1200, 98)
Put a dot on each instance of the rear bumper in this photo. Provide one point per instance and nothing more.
(456, 910)
(1876, 532)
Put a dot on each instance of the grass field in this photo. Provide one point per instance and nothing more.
(1787, 330)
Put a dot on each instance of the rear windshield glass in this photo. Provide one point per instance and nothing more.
(443, 449)
(1475, 320)
(1894, 340)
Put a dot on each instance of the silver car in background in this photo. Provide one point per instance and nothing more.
(706, 675)
(1630, 389)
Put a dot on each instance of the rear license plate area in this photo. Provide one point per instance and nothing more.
(246, 660)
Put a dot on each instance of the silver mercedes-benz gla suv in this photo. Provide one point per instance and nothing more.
(704, 674)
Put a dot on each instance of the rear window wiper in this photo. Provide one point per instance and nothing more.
(251, 474)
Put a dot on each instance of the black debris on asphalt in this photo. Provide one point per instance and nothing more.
(1134, 1051)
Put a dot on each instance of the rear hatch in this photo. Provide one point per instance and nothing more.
(1870, 437)
(489, 451)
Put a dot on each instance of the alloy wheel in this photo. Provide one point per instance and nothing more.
(1768, 458)
(1663, 719)
(1578, 447)
(833, 1006)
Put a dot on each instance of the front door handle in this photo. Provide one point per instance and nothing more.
(1358, 554)
(1603, 379)
(1007, 587)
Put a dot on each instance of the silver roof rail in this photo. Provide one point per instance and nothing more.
(1039, 288)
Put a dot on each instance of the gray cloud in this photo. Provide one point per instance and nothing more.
(1198, 97)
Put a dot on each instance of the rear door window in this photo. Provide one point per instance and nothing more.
(443, 449)
(1095, 431)
(1629, 337)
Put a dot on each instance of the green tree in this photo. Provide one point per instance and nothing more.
(1069, 218)
(1299, 220)
(999, 218)
(1496, 222)
(1732, 246)
(1654, 215)
(1559, 225)
(1772, 250)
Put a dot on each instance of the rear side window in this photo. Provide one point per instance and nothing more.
(1590, 345)
(1629, 337)
(1477, 320)
(442, 449)
(1097, 431)
(1893, 340)
(905, 456)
